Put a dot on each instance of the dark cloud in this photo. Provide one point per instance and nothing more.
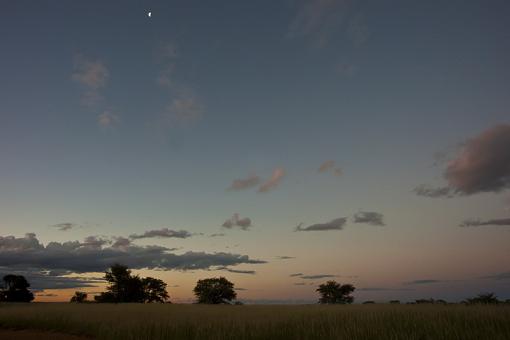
(240, 289)
(479, 223)
(482, 165)
(162, 233)
(285, 257)
(318, 276)
(433, 192)
(383, 289)
(296, 274)
(65, 226)
(336, 224)
(369, 217)
(93, 256)
(41, 280)
(244, 183)
(236, 221)
(300, 284)
(237, 271)
(423, 282)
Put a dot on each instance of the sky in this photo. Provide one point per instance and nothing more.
(279, 144)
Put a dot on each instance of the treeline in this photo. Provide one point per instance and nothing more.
(124, 287)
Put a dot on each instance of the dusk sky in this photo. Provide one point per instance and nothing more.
(280, 144)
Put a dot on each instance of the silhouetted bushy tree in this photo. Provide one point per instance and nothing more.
(483, 299)
(125, 287)
(79, 297)
(214, 291)
(333, 292)
(16, 289)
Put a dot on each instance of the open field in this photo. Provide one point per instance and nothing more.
(158, 321)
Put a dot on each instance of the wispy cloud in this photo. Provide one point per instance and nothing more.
(244, 183)
(491, 222)
(285, 257)
(184, 110)
(369, 217)
(237, 271)
(274, 181)
(329, 166)
(336, 224)
(318, 276)
(107, 119)
(433, 192)
(162, 233)
(423, 282)
(92, 75)
(217, 235)
(244, 223)
(498, 276)
(296, 274)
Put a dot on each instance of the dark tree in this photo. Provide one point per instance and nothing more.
(334, 292)
(16, 289)
(368, 302)
(125, 287)
(79, 297)
(214, 291)
(155, 290)
(483, 299)
(395, 302)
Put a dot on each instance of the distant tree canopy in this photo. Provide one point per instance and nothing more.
(16, 289)
(483, 299)
(214, 291)
(79, 297)
(125, 287)
(333, 292)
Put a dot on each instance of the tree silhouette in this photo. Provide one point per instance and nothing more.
(333, 292)
(79, 297)
(155, 290)
(483, 299)
(16, 289)
(214, 291)
(124, 287)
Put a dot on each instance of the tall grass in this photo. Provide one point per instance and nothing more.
(155, 321)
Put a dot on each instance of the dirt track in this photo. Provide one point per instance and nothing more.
(38, 335)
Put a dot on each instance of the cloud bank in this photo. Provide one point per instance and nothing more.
(162, 233)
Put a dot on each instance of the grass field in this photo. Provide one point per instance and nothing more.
(157, 321)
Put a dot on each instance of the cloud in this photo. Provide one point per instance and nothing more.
(433, 192)
(41, 280)
(493, 222)
(168, 54)
(162, 233)
(369, 217)
(65, 226)
(482, 165)
(244, 183)
(423, 282)
(300, 284)
(236, 221)
(94, 256)
(296, 274)
(273, 182)
(107, 119)
(357, 30)
(240, 289)
(326, 166)
(336, 224)
(318, 276)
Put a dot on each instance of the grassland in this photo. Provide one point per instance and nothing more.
(156, 321)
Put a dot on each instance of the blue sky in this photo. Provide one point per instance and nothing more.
(120, 123)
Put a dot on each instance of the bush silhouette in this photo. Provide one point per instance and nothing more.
(79, 297)
(333, 292)
(214, 291)
(483, 299)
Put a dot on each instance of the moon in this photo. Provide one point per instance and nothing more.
(149, 14)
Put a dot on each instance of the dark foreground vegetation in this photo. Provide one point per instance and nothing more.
(173, 321)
